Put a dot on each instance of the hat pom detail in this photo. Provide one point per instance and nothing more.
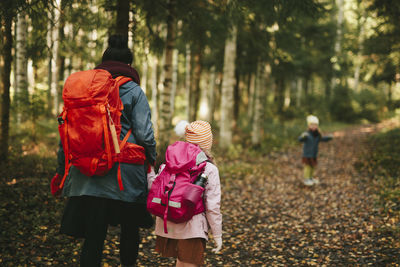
(180, 128)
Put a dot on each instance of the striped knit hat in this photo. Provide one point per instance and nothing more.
(199, 133)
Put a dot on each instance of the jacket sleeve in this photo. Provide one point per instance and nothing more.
(213, 202)
(303, 137)
(326, 138)
(60, 160)
(142, 126)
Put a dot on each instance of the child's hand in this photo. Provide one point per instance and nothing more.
(151, 176)
(218, 244)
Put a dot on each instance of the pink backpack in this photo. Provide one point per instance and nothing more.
(174, 185)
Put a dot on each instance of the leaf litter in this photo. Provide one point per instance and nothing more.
(270, 217)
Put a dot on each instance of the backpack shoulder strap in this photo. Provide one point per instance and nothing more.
(122, 80)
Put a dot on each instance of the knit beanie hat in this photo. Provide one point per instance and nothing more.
(312, 119)
(197, 132)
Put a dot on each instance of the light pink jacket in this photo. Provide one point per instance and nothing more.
(198, 226)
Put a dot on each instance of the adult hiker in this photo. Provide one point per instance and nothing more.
(117, 196)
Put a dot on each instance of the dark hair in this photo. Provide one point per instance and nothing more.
(118, 50)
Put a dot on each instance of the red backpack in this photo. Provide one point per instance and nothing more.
(90, 125)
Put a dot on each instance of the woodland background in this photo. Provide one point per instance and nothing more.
(254, 69)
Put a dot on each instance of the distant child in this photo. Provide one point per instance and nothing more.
(187, 241)
(311, 139)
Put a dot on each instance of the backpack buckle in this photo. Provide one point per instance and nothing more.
(60, 121)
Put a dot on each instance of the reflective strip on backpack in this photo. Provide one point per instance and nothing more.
(170, 203)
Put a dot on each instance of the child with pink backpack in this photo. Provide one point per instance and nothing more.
(182, 225)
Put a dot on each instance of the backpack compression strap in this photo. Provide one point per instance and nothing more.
(165, 196)
(121, 146)
(67, 163)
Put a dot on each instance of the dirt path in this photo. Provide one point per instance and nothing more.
(270, 218)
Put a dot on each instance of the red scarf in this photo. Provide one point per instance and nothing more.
(117, 68)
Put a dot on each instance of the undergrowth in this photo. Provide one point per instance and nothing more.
(383, 165)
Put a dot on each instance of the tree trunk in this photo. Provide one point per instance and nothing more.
(49, 68)
(293, 92)
(211, 95)
(54, 56)
(174, 84)
(154, 95)
(228, 84)
(60, 56)
(250, 105)
(299, 91)
(145, 70)
(21, 97)
(5, 85)
(122, 25)
(236, 99)
(188, 82)
(198, 68)
(306, 87)
(259, 103)
(360, 42)
(166, 116)
(280, 94)
(338, 43)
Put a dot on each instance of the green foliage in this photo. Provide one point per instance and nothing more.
(371, 105)
(341, 105)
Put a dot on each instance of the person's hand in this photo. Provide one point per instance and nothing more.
(303, 135)
(218, 244)
(55, 185)
(151, 176)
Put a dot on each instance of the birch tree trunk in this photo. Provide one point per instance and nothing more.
(338, 43)
(54, 56)
(188, 81)
(228, 84)
(198, 68)
(211, 95)
(49, 38)
(174, 84)
(204, 94)
(145, 70)
(299, 91)
(360, 42)
(21, 71)
(166, 115)
(154, 94)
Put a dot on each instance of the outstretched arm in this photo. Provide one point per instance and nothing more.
(326, 138)
(303, 137)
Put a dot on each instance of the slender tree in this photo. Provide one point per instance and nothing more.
(228, 84)
(166, 115)
(7, 41)
(21, 97)
(188, 82)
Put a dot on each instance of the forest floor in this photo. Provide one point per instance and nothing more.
(270, 217)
